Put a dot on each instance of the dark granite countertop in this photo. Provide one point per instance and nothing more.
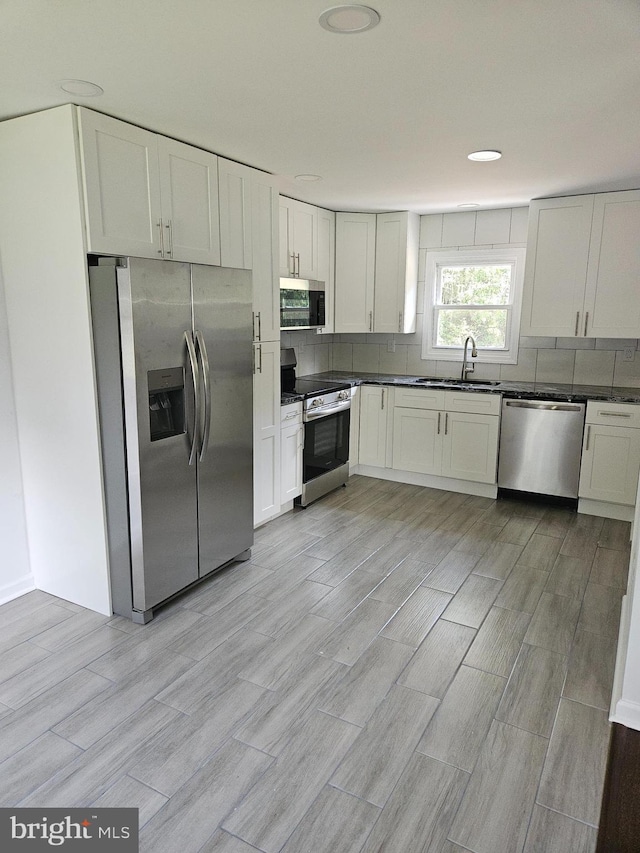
(523, 390)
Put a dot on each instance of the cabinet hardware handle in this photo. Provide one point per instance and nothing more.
(296, 265)
(400, 321)
(292, 269)
(292, 415)
(577, 323)
(301, 445)
(169, 228)
(382, 406)
(370, 321)
(259, 334)
(446, 422)
(586, 323)
(439, 414)
(586, 447)
(253, 321)
(614, 414)
(161, 249)
(259, 365)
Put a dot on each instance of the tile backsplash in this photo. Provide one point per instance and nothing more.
(582, 361)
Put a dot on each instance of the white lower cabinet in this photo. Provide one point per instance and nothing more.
(451, 434)
(291, 446)
(417, 441)
(470, 447)
(374, 410)
(266, 431)
(611, 453)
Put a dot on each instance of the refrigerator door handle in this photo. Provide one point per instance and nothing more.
(195, 375)
(206, 383)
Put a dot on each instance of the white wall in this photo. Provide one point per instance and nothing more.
(47, 307)
(15, 573)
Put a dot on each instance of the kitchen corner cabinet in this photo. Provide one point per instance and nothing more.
(266, 431)
(611, 453)
(291, 446)
(298, 239)
(583, 266)
(147, 195)
(376, 272)
(374, 412)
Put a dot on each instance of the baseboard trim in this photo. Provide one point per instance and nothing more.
(448, 484)
(14, 590)
(620, 512)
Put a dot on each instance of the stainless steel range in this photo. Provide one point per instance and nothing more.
(326, 417)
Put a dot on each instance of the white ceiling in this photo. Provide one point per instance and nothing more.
(387, 117)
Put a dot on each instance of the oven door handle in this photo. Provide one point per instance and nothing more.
(329, 409)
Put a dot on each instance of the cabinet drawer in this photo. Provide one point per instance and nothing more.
(613, 414)
(472, 403)
(291, 414)
(419, 398)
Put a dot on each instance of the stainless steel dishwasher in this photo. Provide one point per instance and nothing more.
(540, 446)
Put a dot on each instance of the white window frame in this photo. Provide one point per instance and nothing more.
(514, 257)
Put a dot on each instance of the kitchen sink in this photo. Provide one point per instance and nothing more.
(459, 382)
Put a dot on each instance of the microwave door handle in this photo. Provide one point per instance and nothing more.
(206, 383)
(195, 377)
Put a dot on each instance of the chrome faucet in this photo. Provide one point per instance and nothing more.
(468, 368)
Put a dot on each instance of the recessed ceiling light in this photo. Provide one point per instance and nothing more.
(81, 88)
(308, 178)
(351, 18)
(485, 156)
(468, 206)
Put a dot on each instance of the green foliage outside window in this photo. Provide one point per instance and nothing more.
(461, 289)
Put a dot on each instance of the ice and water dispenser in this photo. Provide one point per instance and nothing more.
(166, 402)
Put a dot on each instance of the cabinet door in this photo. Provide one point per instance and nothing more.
(610, 464)
(396, 272)
(417, 440)
(122, 186)
(326, 263)
(266, 431)
(234, 188)
(305, 239)
(613, 276)
(556, 266)
(264, 232)
(374, 406)
(355, 267)
(470, 447)
(189, 192)
(291, 462)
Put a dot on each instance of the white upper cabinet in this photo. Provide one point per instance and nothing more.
(189, 198)
(613, 274)
(396, 274)
(298, 239)
(327, 263)
(264, 233)
(147, 195)
(355, 270)
(122, 186)
(583, 267)
(376, 272)
(234, 186)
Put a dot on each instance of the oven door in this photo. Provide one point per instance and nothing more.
(326, 444)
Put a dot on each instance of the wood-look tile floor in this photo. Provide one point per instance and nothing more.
(396, 669)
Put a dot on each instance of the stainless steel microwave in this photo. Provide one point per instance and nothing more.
(301, 303)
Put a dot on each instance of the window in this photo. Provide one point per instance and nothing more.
(477, 293)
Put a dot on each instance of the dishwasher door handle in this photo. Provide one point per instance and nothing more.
(546, 407)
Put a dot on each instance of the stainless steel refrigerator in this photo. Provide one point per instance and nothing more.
(173, 354)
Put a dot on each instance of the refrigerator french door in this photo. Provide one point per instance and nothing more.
(178, 451)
